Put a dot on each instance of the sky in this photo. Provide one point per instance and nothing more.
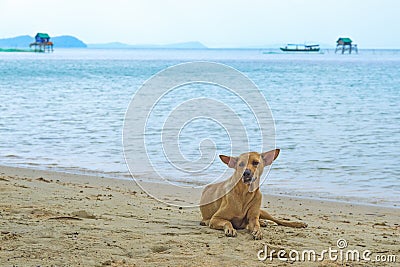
(215, 23)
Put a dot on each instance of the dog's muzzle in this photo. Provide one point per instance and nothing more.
(248, 177)
(248, 180)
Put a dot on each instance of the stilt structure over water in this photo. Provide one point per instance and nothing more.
(42, 43)
(345, 44)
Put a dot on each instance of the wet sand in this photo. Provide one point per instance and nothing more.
(58, 219)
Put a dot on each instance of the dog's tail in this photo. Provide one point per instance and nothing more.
(266, 216)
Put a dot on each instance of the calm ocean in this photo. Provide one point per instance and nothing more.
(337, 117)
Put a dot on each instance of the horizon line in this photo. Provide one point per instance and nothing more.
(276, 45)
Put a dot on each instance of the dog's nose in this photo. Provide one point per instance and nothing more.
(247, 173)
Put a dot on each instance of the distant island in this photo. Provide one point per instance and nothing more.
(118, 45)
(67, 41)
(23, 41)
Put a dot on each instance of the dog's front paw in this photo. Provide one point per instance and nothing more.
(229, 231)
(257, 234)
(205, 223)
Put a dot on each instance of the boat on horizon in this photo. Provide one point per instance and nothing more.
(300, 48)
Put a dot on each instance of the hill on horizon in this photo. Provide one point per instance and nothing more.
(23, 41)
(118, 45)
(68, 41)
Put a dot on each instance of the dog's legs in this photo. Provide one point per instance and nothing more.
(222, 224)
(253, 217)
(265, 215)
(254, 228)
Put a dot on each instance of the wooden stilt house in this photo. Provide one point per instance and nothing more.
(42, 43)
(345, 44)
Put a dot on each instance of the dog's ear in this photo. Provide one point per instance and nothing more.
(230, 161)
(270, 156)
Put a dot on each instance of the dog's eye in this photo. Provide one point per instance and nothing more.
(241, 164)
(255, 163)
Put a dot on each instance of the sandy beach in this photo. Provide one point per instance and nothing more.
(59, 219)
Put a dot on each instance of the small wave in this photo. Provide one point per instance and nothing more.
(12, 156)
(271, 53)
(325, 169)
(32, 164)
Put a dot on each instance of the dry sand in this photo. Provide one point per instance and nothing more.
(58, 219)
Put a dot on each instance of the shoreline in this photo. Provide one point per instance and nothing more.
(127, 177)
(100, 221)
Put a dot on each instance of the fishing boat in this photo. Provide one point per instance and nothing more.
(300, 48)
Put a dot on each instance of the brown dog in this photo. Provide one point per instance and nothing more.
(236, 202)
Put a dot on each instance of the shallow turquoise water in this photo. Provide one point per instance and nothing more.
(337, 117)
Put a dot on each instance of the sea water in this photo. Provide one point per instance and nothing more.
(337, 117)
